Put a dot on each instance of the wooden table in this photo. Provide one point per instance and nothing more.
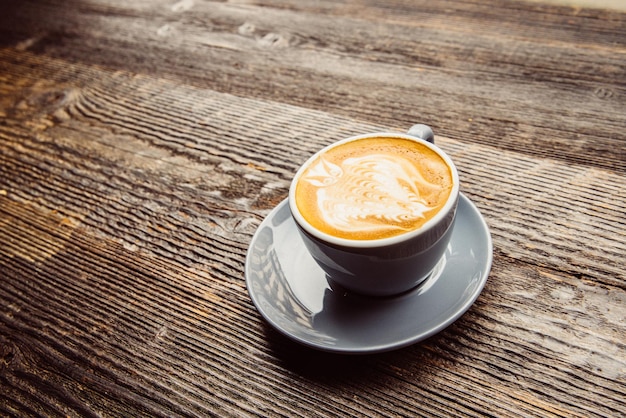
(143, 142)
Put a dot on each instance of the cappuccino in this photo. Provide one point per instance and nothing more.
(373, 188)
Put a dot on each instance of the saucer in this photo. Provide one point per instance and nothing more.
(294, 295)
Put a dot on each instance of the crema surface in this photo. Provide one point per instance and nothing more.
(373, 188)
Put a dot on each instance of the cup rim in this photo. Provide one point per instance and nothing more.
(379, 242)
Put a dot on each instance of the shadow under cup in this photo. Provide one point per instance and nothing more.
(382, 267)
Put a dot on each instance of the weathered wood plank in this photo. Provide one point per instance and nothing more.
(127, 206)
(142, 143)
(167, 320)
(566, 217)
(509, 78)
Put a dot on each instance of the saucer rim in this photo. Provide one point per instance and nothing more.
(486, 265)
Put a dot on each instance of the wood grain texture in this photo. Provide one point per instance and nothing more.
(142, 144)
(500, 73)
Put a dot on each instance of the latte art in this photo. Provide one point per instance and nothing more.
(374, 193)
(373, 188)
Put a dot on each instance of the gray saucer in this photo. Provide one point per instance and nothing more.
(294, 295)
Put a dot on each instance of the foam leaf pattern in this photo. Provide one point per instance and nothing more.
(370, 193)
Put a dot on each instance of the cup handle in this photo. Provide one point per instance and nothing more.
(422, 131)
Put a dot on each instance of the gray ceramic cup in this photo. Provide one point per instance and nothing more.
(387, 266)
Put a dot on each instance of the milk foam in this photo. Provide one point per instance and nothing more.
(375, 193)
(371, 193)
(373, 188)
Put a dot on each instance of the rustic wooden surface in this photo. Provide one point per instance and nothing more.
(142, 143)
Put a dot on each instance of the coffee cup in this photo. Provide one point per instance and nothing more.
(376, 211)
